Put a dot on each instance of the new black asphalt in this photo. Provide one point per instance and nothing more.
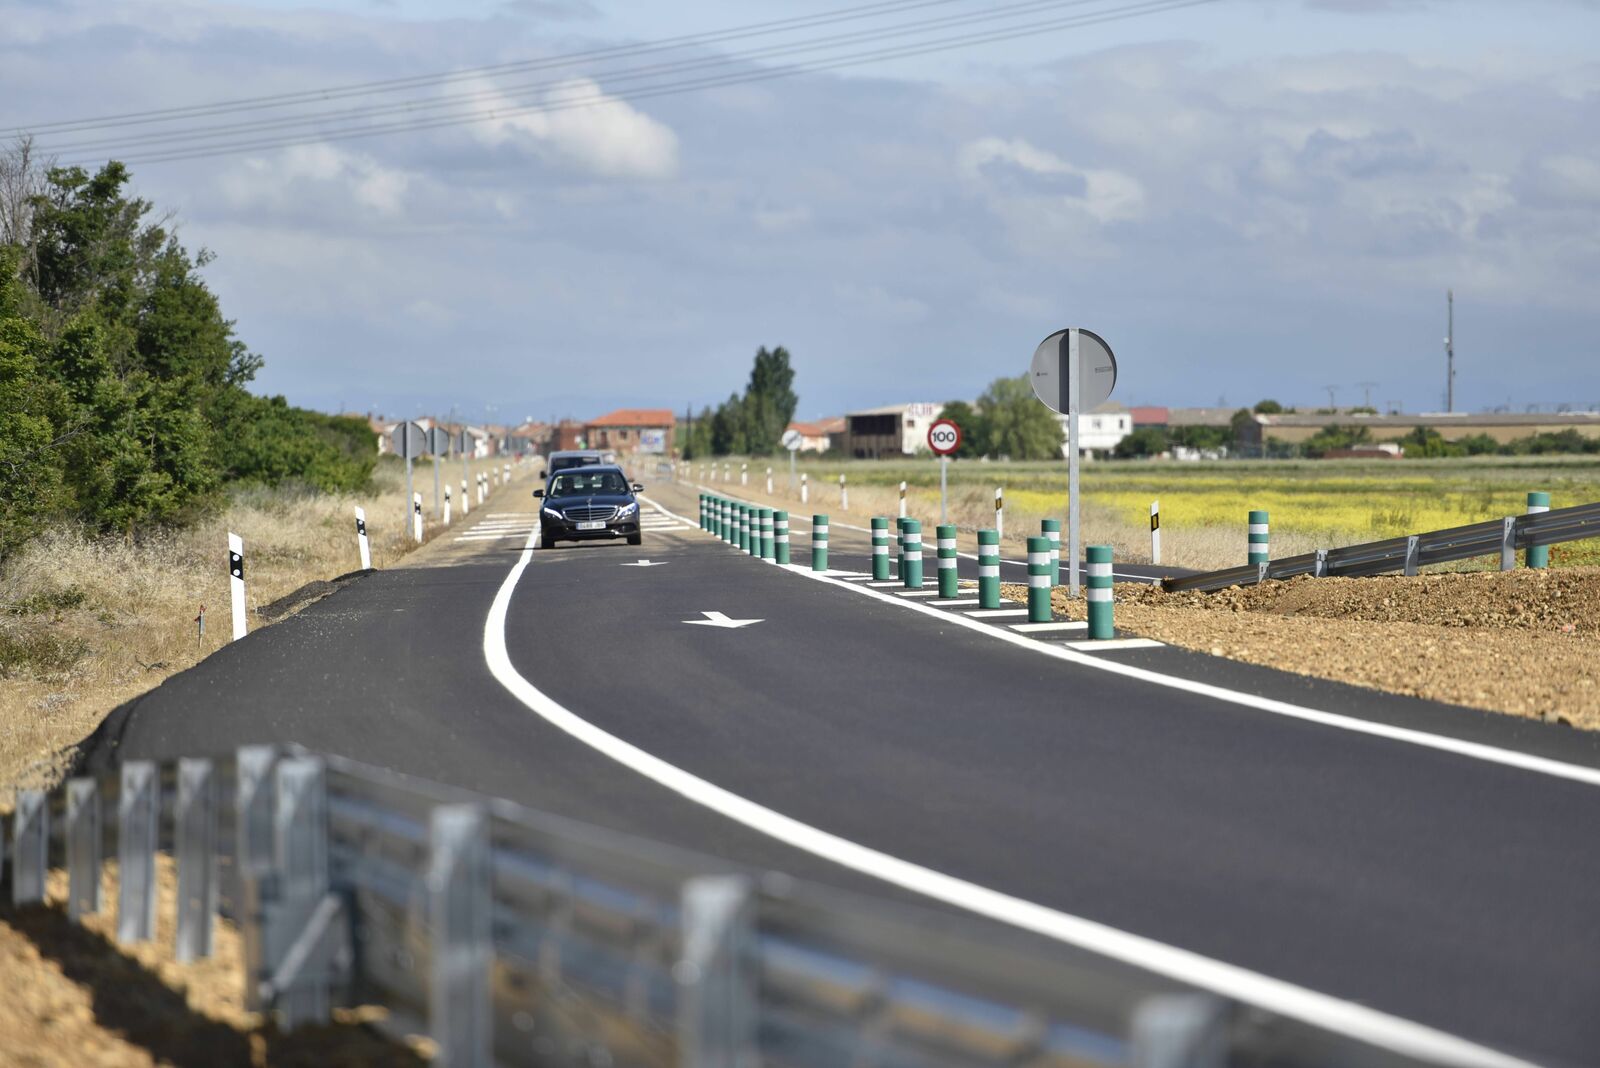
(1447, 890)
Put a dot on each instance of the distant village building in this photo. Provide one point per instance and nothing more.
(1503, 427)
(1099, 430)
(632, 430)
(891, 431)
(822, 435)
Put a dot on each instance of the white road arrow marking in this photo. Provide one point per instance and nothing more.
(646, 563)
(717, 619)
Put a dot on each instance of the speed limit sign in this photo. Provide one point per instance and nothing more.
(944, 437)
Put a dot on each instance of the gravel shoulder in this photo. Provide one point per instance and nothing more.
(1524, 643)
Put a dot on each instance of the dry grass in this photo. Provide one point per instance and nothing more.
(90, 622)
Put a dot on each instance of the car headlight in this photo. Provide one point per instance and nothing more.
(627, 510)
(551, 513)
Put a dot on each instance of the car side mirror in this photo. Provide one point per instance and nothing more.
(538, 493)
(544, 474)
(638, 487)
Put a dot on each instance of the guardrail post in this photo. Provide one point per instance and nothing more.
(911, 573)
(819, 543)
(138, 811)
(300, 826)
(1508, 543)
(1039, 580)
(1413, 553)
(780, 536)
(195, 825)
(1538, 555)
(1260, 551)
(1180, 1031)
(1155, 532)
(30, 847)
(1051, 528)
(949, 583)
(1319, 569)
(1099, 591)
(764, 517)
(254, 801)
(716, 974)
(85, 847)
(989, 569)
(460, 906)
(880, 548)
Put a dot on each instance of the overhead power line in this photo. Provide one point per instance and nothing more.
(235, 138)
(388, 85)
(626, 75)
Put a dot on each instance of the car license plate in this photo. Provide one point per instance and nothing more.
(592, 525)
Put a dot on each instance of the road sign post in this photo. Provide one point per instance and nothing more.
(439, 445)
(944, 438)
(792, 440)
(1073, 370)
(409, 441)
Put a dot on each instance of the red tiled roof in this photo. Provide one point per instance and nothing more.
(808, 430)
(1147, 415)
(636, 417)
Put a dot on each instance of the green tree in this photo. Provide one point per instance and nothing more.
(1268, 407)
(1019, 426)
(1335, 437)
(1427, 443)
(1146, 441)
(769, 401)
(974, 429)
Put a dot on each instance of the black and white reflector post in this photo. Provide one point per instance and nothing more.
(416, 517)
(1155, 532)
(447, 504)
(236, 580)
(361, 539)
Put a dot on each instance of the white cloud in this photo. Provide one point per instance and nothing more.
(606, 136)
(281, 180)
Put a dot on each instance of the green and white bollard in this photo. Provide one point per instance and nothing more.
(744, 528)
(755, 532)
(1538, 555)
(780, 537)
(949, 582)
(727, 522)
(702, 511)
(880, 548)
(819, 543)
(911, 568)
(1098, 591)
(988, 569)
(722, 517)
(764, 517)
(897, 563)
(1039, 580)
(1259, 550)
(1051, 528)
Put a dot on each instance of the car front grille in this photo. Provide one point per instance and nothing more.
(586, 513)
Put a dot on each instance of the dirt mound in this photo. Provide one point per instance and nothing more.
(1564, 601)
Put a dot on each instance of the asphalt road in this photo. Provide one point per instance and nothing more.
(1453, 891)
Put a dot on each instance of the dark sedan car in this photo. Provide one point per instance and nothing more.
(589, 502)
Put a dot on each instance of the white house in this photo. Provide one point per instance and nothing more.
(1100, 430)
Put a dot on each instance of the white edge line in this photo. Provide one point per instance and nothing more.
(1320, 1010)
(1460, 747)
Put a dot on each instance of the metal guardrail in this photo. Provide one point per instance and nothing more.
(1406, 554)
(517, 938)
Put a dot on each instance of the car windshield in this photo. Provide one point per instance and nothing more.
(574, 483)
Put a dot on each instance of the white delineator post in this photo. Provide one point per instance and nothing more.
(236, 581)
(482, 489)
(1155, 532)
(447, 506)
(416, 516)
(466, 504)
(744, 474)
(805, 490)
(507, 478)
(999, 512)
(844, 494)
(902, 500)
(769, 482)
(361, 539)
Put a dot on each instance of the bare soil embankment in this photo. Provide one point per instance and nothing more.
(1525, 642)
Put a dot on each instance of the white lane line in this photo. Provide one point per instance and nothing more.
(998, 613)
(1321, 1010)
(887, 582)
(917, 593)
(1111, 645)
(953, 602)
(493, 537)
(1472, 750)
(1040, 628)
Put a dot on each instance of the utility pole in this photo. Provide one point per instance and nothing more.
(1331, 403)
(1366, 393)
(1450, 351)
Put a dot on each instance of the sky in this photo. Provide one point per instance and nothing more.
(1245, 198)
